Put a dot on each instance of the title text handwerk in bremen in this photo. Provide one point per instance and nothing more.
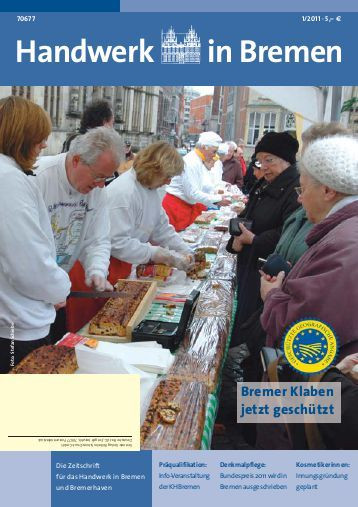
(31, 52)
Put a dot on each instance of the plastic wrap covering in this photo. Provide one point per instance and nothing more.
(222, 248)
(222, 220)
(215, 299)
(226, 212)
(210, 242)
(202, 360)
(193, 235)
(206, 217)
(176, 416)
(159, 272)
(221, 224)
(238, 207)
(208, 336)
(224, 267)
(203, 348)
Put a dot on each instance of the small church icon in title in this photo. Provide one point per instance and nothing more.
(186, 51)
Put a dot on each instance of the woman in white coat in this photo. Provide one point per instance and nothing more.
(140, 230)
(31, 283)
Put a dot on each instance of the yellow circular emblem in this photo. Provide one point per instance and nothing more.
(310, 346)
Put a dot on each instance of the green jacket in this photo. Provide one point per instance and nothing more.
(292, 244)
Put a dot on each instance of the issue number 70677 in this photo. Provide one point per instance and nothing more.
(26, 18)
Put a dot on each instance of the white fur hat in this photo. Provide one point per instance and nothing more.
(223, 149)
(209, 139)
(333, 161)
(232, 144)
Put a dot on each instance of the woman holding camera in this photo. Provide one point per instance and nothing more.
(271, 201)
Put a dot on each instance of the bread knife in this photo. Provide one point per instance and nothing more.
(97, 294)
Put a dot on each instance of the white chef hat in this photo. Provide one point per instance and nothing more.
(223, 149)
(333, 161)
(209, 139)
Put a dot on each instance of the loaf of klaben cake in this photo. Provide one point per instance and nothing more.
(48, 359)
(115, 315)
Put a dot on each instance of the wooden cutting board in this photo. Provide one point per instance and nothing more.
(137, 317)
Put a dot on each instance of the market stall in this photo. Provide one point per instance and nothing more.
(179, 387)
(194, 377)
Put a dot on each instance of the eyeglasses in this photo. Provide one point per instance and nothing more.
(268, 160)
(98, 179)
(299, 190)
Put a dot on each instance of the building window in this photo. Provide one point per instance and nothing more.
(21, 91)
(126, 109)
(57, 116)
(118, 107)
(230, 96)
(84, 97)
(52, 103)
(290, 121)
(269, 122)
(254, 128)
(147, 113)
(137, 104)
(229, 125)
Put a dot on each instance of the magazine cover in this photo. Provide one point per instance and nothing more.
(178, 253)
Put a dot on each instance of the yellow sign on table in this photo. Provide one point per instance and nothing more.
(69, 412)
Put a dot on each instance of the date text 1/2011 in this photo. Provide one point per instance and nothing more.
(311, 18)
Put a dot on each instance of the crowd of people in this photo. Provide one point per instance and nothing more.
(308, 216)
(81, 218)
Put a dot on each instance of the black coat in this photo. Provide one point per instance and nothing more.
(250, 179)
(345, 434)
(268, 207)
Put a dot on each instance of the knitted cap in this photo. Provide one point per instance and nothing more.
(333, 161)
(281, 144)
(209, 139)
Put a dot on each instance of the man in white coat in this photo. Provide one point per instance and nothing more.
(72, 185)
(189, 193)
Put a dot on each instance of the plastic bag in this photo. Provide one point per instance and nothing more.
(210, 242)
(202, 359)
(215, 299)
(176, 416)
(192, 235)
(203, 347)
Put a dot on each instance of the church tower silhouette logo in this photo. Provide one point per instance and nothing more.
(186, 50)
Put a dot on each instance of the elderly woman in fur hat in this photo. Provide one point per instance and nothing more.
(323, 284)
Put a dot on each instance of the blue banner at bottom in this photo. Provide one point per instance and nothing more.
(177, 478)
